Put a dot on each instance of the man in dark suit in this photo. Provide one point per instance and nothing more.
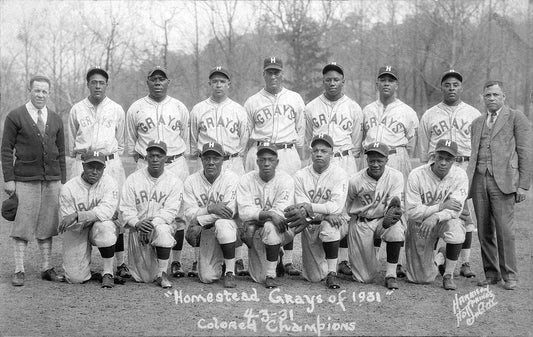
(499, 172)
(33, 163)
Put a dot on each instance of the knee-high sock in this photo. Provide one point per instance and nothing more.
(45, 246)
(288, 255)
(19, 249)
(119, 250)
(465, 251)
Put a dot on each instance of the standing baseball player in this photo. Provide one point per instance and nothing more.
(320, 196)
(337, 115)
(390, 121)
(97, 124)
(451, 119)
(159, 117)
(374, 206)
(87, 204)
(151, 200)
(262, 197)
(210, 208)
(435, 195)
(276, 115)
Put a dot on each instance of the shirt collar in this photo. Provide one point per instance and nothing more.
(32, 109)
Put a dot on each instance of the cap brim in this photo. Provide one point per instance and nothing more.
(321, 140)
(447, 151)
(273, 66)
(221, 73)
(156, 147)
(388, 73)
(157, 70)
(267, 149)
(214, 151)
(377, 151)
(94, 160)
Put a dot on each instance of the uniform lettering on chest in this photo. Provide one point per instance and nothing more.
(81, 206)
(166, 120)
(143, 196)
(226, 123)
(394, 125)
(320, 193)
(265, 206)
(281, 110)
(342, 121)
(370, 197)
(209, 199)
(443, 126)
(434, 197)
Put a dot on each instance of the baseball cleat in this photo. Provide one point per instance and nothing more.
(400, 271)
(175, 270)
(270, 283)
(344, 268)
(229, 280)
(123, 271)
(391, 283)
(440, 260)
(18, 279)
(163, 281)
(332, 282)
(466, 271)
(510, 285)
(194, 270)
(239, 268)
(108, 281)
(448, 283)
(51, 275)
(291, 270)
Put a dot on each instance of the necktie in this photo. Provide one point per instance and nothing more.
(40, 122)
(492, 119)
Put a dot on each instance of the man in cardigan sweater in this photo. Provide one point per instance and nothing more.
(34, 135)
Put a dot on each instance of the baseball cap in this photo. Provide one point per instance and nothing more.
(9, 207)
(446, 145)
(267, 146)
(212, 147)
(333, 66)
(97, 70)
(451, 73)
(219, 70)
(273, 63)
(324, 138)
(388, 70)
(90, 157)
(378, 147)
(157, 68)
(157, 144)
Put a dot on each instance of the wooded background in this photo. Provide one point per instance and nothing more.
(483, 39)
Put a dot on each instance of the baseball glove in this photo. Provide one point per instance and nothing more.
(393, 213)
(193, 234)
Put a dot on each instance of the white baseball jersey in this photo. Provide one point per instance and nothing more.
(341, 119)
(395, 125)
(369, 198)
(200, 193)
(144, 196)
(326, 192)
(446, 122)
(276, 118)
(166, 121)
(255, 195)
(425, 192)
(224, 123)
(96, 202)
(99, 128)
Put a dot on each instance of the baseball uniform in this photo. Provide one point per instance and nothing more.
(199, 193)
(326, 192)
(95, 205)
(424, 194)
(224, 123)
(394, 125)
(366, 204)
(342, 120)
(253, 196)
(160, 199)
(277, 119)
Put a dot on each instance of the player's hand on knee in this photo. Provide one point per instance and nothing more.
(278, 221)
(221, 209)
(451, 204)
(67, 222)
(9, 187)
(144, 226)
(427, 226)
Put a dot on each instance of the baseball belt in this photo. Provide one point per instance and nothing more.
(169, 160)
(342, 153)
(280, 146)
(228, 156)
(108, 157)
(461, 159)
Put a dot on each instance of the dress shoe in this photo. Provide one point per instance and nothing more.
(510, 285)
(18, 279)
(466, 271)
(488, 281)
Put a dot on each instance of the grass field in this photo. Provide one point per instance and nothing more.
(42, 308)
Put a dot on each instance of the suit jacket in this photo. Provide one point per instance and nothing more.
(510, 147)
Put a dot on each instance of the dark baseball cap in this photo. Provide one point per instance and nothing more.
(333, 66)
(97, 70)
(388, 70)
(90, 157)
(378, 147)
(157, 144)
(267, 146)
(273, 63)
(451, 73)
(446, 145)
(9, 207)
(212, 147)
(322, 137)
(219, 70)
(156, 69)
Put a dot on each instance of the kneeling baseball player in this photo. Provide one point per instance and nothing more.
(435, 195)
(151, 201)
(87, 205)
(320, 196)
(210, 208)
(374, 206)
